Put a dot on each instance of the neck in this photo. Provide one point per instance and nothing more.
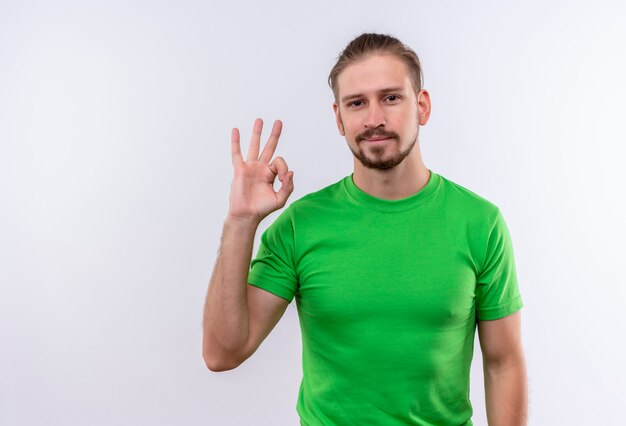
(401, 181)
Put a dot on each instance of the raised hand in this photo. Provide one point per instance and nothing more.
(252, 194)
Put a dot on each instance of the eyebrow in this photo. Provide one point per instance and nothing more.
(382, 91)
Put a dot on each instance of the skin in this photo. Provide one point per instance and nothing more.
(376, 97)
(376, 100)
(504, 371)
(238, 316)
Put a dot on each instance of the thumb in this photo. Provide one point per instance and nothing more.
(285, 189)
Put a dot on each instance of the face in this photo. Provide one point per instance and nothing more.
(378, 112)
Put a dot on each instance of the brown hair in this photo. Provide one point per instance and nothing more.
(368, 44)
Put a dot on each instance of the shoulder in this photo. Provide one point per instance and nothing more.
(329, 196)
(329, 192)
(308, 206)
(467, 201)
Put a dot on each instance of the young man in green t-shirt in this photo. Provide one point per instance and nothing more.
(393, 267)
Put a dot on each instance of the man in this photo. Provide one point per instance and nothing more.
(393, 267)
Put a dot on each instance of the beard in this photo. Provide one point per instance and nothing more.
(375, 160)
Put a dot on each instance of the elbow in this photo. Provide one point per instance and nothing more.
(498, 366)
(220, 357)
(219, 365)
(219, 362)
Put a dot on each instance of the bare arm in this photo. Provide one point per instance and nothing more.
(506, 389)
(237, 316)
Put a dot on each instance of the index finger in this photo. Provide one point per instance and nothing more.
(270, 146)
(235, 147)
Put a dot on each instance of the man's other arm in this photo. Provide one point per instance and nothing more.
(506, 388)
(238, 316)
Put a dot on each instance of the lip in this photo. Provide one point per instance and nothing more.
(374, 140)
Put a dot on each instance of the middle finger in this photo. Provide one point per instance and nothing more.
(270, 146)
(255, 140)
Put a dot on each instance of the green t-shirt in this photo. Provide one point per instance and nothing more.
(388, 293)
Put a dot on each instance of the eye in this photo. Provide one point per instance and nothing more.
(392, 98)
(355, 104)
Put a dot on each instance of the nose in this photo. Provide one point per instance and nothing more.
(375, 116)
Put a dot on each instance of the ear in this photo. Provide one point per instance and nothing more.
(423, 106)
(342, 132)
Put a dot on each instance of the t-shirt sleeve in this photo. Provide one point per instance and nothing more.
(273, 268)
(497, 290)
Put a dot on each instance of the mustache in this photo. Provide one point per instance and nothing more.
(381, 133)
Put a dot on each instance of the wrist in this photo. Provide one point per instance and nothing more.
(241, 221)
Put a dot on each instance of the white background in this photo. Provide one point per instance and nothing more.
(115, 170)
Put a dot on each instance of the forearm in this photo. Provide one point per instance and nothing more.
(506, 393)
(226, 308)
